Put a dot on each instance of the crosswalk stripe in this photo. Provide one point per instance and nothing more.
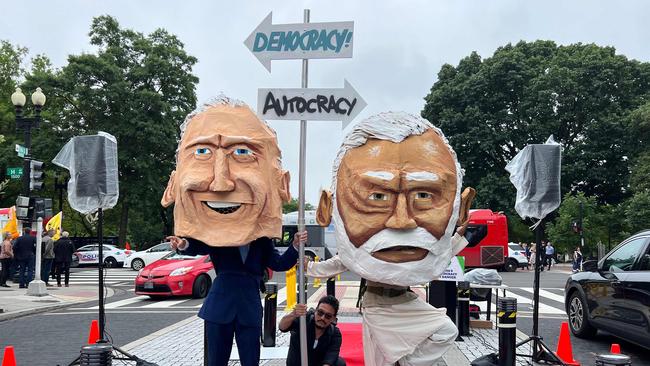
(164, 304)
(543, 308)
(546, 294)
(115, 304)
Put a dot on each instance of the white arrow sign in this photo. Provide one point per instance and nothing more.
(310, 104)
(300, 41)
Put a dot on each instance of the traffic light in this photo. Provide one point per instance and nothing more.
(22, 207)
(42, 208)
(35, 175)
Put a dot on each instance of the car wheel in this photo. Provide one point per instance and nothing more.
(578, 321)
(511, 265)
(137, 264)
(201, 287)
(110, 262)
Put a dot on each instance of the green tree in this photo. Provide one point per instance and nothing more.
(292, 206)
(582, 94)
(138, 88)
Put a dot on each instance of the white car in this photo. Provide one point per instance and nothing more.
(89, 254)
(138, 260)
(516, 258)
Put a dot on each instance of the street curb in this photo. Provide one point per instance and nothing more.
(130, 346)
(27, 312)
(4, 316)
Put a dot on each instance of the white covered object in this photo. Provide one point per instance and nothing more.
(535, 172)
(92, 162)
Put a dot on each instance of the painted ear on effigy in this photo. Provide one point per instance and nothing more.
(324, 211)
(466, 199)
(285, 195)
(169, 196)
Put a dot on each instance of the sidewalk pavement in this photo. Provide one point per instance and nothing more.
(14, 301)
(181, 344)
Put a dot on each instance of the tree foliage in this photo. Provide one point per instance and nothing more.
(292, 206)
(138, 88)
(583, 94)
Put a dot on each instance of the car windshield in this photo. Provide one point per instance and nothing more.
(177, 256)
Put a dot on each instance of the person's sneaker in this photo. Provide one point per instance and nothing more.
(58, 285)
(66, 285)
(22, 286)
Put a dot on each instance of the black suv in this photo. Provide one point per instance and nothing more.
(613, 294)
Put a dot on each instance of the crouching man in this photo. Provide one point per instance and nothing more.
(323, 337)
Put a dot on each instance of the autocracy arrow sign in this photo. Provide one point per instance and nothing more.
(300, 41)
(310, 104)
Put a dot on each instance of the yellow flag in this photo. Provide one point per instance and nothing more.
(55, 224)
(12, 225)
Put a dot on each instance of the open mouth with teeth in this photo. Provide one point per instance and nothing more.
(401, 254)
(223, 208)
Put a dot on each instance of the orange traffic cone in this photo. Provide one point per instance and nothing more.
(564, 349)
(616, 349)
(9, 359)
(93, 336)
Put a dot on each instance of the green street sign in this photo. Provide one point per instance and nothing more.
(15, 173)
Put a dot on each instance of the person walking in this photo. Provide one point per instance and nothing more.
(63, 251)
(47, 253)
(25, 254)
(577, 260)
(526, 247)
(6, 255)
(550, 255)
(533, 255)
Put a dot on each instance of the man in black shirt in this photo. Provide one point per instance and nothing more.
(323, 337)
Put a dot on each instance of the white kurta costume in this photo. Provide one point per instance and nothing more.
(401, 328)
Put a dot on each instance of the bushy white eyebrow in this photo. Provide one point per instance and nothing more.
(422, 176)
(380, 175)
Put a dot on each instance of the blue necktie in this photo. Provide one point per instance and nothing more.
(243, 252)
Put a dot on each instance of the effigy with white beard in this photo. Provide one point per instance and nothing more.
(399, 217)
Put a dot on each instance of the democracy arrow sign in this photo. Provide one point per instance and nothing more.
(310, 104)
(300, 41)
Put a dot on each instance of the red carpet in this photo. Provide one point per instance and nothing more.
(352, 346)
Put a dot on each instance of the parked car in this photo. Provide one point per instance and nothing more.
(516, 258)
(140, 259)
(176, 275)
(89, 254)
(613, 294)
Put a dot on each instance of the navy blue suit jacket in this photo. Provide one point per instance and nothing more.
(236, 290)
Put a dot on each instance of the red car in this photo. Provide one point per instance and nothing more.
(180, 275)
(176, 275)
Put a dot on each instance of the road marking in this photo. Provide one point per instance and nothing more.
(543, 308)
(115, 304)
(164, 304)
(546, 294)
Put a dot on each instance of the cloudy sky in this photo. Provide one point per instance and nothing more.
(399, 46)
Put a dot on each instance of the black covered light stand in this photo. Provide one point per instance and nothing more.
(463, 308)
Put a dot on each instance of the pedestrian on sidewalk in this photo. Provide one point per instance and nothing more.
(323, 337)
(25, 255)
(577, 260)
(550, 255)
(63, 251)
(47, 253)
(6, 255)
(527, 252)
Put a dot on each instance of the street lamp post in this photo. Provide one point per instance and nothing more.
(26, 124)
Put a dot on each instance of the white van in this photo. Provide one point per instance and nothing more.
(321, 241)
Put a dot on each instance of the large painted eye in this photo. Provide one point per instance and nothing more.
(378, 197)
(202, 152)
(423, 195)
(242, 151)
